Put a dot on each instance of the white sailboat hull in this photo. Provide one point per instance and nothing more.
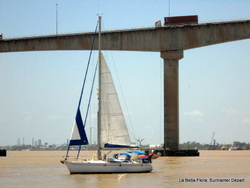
(101, 167)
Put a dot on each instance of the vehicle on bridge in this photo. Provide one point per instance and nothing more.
(181, 20)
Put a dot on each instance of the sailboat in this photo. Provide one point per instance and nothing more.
(112, 133)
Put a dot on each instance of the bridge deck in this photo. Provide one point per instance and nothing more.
(155, 39)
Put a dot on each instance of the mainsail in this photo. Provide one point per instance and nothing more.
(113, 126)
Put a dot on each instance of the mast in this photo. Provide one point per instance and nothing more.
(99, 155)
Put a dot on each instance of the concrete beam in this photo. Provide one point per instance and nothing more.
(173, 54)
(180, 37)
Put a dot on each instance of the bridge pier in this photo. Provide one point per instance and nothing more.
(171, 104)
(171, 98)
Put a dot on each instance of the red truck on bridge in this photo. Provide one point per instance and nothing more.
(181, 20)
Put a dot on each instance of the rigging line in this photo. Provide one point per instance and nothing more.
(90, 96)
(86, 72)
(93, 41)
(79, 149)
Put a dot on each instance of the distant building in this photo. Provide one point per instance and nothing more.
(39, 142)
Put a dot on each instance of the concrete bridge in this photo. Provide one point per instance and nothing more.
(171, 41)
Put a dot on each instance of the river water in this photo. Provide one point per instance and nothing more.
(211, 169)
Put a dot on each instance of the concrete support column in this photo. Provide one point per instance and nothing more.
(171, 98)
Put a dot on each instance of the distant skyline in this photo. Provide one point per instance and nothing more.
(33, 142)
(40, 90)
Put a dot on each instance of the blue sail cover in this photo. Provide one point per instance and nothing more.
(116, 146)
(78, 135)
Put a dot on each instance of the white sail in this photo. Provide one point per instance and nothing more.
(78, 134)
(113, 125)
(75, 133)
